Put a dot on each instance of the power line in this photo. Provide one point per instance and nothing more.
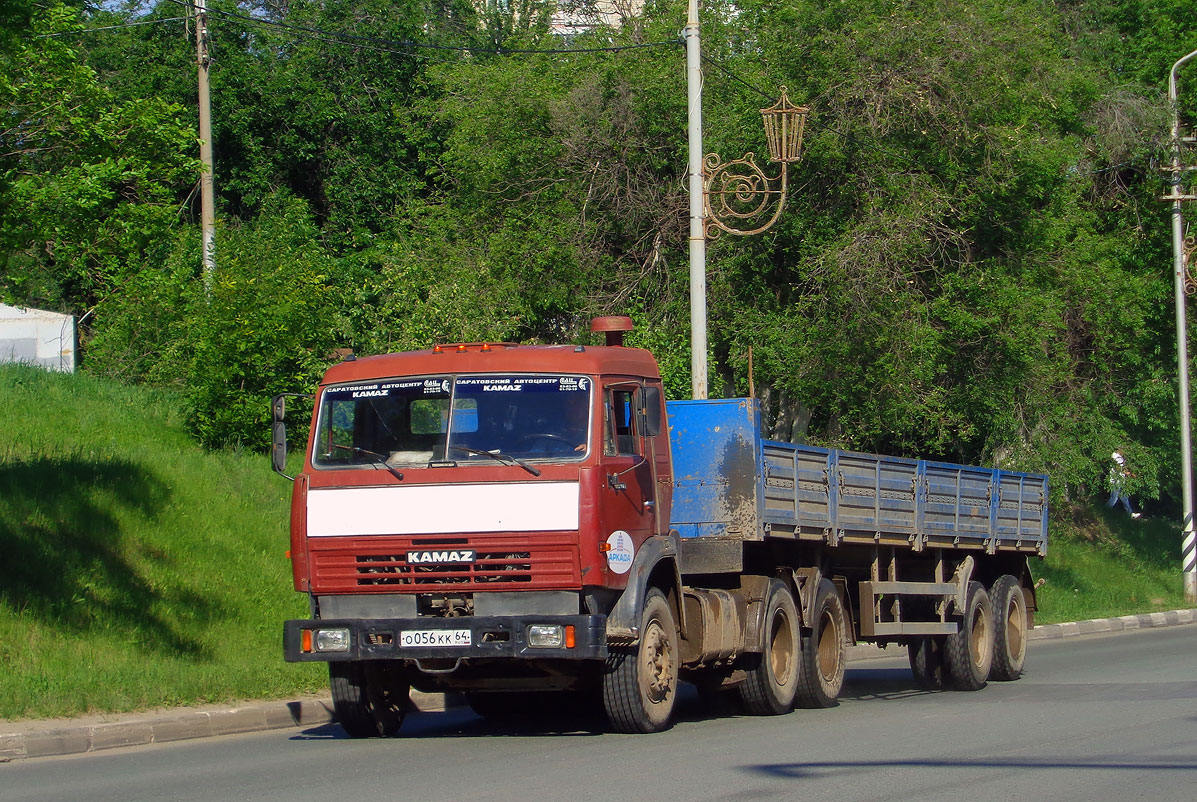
(385, 45)
(737, 78)
(109, 27)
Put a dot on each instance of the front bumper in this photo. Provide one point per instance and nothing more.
(490, 637)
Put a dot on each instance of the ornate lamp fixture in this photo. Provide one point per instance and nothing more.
(739, 197)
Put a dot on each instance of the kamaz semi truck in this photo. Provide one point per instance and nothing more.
(513, 521)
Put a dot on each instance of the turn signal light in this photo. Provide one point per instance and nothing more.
(305, 640)
(605, 547)
(570, 637)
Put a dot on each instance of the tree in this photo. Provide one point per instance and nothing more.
(88, 186)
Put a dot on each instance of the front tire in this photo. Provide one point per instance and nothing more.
(369, 697)
(640, 683)
(1009, 629)
(770, 687)
(824, 651)
(969, 651)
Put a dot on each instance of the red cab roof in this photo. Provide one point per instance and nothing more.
(499, 358)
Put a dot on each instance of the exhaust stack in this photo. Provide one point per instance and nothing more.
(613, 326)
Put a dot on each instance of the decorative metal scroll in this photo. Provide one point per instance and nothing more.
(741, 199)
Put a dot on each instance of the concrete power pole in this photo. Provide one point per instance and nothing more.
(1180, 272)
(207, 184)
(698, 235)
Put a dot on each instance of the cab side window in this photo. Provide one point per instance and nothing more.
(619, 432)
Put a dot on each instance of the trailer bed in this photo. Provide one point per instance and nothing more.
(783, 490)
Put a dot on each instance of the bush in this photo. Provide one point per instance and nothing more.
(269, 324)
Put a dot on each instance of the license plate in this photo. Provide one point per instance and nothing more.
(434, 637)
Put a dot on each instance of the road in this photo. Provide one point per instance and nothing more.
(1095, 718)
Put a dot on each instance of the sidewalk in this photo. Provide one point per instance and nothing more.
(45, 738)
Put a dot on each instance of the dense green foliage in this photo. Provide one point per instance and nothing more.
(973, 263)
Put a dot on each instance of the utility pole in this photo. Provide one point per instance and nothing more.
(698, 236)
(207, 185)
(1180, 263)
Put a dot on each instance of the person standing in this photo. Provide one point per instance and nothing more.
(1119, 472)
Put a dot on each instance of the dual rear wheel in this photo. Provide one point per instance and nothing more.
(807, 671)
(991, 642)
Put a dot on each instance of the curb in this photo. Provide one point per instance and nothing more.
(1170, 618)
(41, 738)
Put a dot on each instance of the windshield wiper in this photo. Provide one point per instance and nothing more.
(375, 457)
(499, 456)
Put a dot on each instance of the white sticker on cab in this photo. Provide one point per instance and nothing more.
(621, 551)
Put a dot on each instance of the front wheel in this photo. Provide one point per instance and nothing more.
(769, 688)
(640, 683)
(369, 697)
(969, 651)
(824, 651)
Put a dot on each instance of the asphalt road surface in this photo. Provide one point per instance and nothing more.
(1094, 718)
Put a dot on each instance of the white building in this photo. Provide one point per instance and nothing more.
(37, 337)
(580, 16)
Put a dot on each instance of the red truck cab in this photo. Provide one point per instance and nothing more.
(469, 516)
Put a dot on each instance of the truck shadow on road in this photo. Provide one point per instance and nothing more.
(814, 769)
(880, 683)
(583, 719)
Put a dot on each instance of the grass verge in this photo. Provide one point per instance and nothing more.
(140, 570)
(1103, 563)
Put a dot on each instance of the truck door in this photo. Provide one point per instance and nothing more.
(628, 495)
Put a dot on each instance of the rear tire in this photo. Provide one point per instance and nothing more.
(1009, 629)
(824, 651)
(769, 688)
(927, 662)
(640, 683)
(369, 697)
(969, 651)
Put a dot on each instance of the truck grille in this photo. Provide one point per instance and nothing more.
(392, 569)
(549, 562)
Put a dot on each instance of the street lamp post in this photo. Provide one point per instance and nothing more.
(735, 197)
(698, 238)
(1181, 256)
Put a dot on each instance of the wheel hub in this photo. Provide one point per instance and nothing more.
(658, 660)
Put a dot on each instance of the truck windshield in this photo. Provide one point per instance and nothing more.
(471, 418)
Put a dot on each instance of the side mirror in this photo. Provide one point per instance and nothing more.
(278, 435)
(650, 411)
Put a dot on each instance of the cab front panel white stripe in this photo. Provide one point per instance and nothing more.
(443, 509)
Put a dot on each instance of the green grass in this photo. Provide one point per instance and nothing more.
(1102, 563)
(140, 571)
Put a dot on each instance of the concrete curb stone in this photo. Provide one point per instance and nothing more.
(39, 738)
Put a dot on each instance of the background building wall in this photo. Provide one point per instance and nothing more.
(37, 337)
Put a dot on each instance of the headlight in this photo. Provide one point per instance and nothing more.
(332, 640)
(550, 636)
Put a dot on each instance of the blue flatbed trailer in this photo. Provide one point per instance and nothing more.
(884, 527)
